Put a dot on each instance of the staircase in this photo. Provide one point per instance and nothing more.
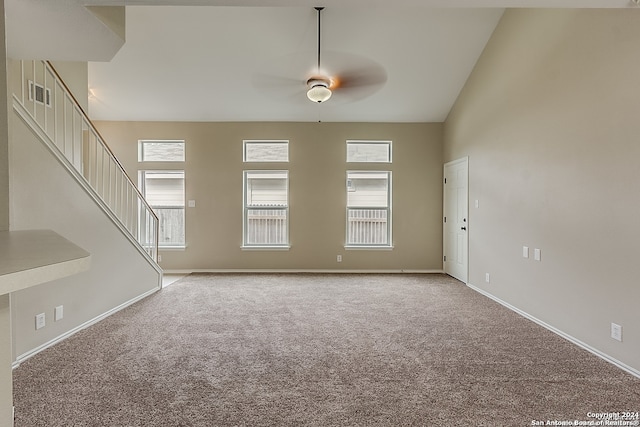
(47, 106)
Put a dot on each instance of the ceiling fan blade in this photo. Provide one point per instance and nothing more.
(353, 76)
(278, 87)
(261, 80)
(360, 78)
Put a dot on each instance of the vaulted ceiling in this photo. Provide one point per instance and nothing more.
(249, 60)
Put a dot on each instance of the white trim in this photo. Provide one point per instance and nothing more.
(389, 209)
(294, 271)
(461, 160)
(368, 247)
(23, 357)
(246, 209)
(560, 333)
(388, 143)
(263, 141)
(141, 143)
(265, 248)
(50, 145)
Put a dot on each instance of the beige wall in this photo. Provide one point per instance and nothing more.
(45, 196)
(549, 120)
(317, 193)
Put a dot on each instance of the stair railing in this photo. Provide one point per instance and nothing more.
(44, 98)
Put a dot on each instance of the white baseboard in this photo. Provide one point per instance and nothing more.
(31, 353)
(562, 334)
(312, 271)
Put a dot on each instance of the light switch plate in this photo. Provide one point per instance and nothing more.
(58, 313)
(525, 251)
(536, 254)
(616, 332)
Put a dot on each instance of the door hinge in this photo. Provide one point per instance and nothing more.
(444, 258)
(445, 180)
(445, 219)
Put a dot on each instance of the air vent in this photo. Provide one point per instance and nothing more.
(39, 94)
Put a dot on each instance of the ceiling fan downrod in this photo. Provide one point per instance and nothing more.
(319, 90)
(319, 9)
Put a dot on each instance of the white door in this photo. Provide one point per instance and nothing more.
(456, 215)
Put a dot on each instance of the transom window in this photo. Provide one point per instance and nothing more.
(369, 151)
(266, 151)
(266, 208)
(160, 151)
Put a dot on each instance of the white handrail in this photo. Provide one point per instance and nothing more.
(52, 107)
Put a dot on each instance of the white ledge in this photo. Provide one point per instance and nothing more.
(32, 257)
(265, 248)
(368, 248)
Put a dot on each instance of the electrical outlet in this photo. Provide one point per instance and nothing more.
(487, 278)
(536, 254)
(40, 321)
(58, 313)
(159, 258)
(525, 252)
(339, 258)
(616, 332)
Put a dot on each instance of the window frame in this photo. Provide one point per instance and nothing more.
(246, 208)
(248, 142)
(388, 208)
(388, 143)
(142, 142)
(142, 186)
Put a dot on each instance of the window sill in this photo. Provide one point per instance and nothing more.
(368, 248)
(265, 248)
(172, 248)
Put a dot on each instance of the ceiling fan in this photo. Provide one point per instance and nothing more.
(341, 76)
(319, 85)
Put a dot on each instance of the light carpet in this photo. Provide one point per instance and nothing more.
(316, 350)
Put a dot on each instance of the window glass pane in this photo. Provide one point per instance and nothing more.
(266, 151)
(164, 189)
(367, 189)
(266, 188)
(161, 151)
(369, 152)
(367, 227)
(266, 208)
(266, 227)
(171, 226)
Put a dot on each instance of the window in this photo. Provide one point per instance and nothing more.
(369, 151)
(266, 151)
(160, 151)
(368, 196)
(368, 208)
(164, 191)
(266, 208)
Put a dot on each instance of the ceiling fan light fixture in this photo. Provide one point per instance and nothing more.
(318, 90)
